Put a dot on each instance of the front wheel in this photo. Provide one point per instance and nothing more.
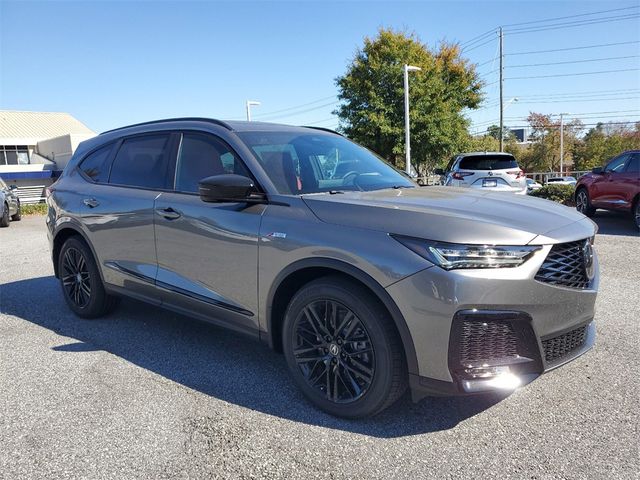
(16, 217)
(583, 204)
(342, 349)
(5, 219)
(80, 279)
(636, 213)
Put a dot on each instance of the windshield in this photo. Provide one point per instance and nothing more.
(299, 163)
(488, 162)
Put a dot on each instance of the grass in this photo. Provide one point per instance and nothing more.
(34, 209)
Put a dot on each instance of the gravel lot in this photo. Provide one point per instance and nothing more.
(150, 394)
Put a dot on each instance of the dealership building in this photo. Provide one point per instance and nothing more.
(35, 147)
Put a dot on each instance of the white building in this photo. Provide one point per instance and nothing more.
(35, 147)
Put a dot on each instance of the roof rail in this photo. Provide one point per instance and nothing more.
(192, 119)
(323, 129)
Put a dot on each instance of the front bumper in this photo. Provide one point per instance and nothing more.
(434, 301)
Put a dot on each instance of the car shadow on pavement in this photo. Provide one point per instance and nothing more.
(615, 223)
(216, 362)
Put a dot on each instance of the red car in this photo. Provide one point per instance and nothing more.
(614, 187)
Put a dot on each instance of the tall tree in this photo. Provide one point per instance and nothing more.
(372, 95)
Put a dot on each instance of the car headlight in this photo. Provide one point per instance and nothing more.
(454, 255)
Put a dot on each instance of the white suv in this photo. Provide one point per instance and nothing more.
(493, 171)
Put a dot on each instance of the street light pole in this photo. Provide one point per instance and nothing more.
(407, 141)
(250, 103)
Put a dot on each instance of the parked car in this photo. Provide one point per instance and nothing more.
(304, 240)
(9, 204)
(561, 181)
(532, 185)
(485, 170)
(614, 187)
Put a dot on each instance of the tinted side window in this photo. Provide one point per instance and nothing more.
(141, 162)
(95, 165)
(201, 156)
(634, 164)
(617, 164)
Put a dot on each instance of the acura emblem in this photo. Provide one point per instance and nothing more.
(587, 256)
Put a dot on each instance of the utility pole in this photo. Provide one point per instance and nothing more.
(501, 91)
(562, 141)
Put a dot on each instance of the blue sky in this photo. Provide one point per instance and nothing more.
(116, 63)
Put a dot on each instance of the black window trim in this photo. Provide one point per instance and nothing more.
(174, 160)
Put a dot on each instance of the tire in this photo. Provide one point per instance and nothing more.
(583, 203)
(87, 297)
(16, 217)
(361, 344)
(636, 213)
(4, 218)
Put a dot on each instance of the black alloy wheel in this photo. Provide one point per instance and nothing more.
(342, 348)
(636, 213)
(80, 279)
(75, 277)
(334, 351)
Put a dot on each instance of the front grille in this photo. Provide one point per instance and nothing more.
(485, 341)
(561, 345)
(565, 266)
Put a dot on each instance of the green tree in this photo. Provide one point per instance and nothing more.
(507, 134)
(372, 95)
(605, 141)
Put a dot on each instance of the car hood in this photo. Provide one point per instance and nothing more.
(458, 215)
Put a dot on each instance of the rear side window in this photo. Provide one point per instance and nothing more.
(201, 156)
(142, 162)
(488, 162)
(95, 165)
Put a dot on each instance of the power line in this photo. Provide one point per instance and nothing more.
(588, 93)
(570, 16)
(579, 100)
(573, 61)
(299, 112)
(573, 74)
(573, 48)
(294, 107)
(477, 38)
(477, 46)
(322, 121)
(574, 24)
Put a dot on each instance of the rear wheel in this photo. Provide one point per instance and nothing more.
(80, 280)
(16, 217)
(583, 204)
(636, 213)
(342, 349)
(4, 218)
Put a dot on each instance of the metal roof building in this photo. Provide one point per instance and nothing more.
(36, 146)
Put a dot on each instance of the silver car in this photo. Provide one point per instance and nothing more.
(10, 209)
(367, 283)
(486, 170)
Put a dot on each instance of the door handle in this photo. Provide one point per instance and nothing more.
(168, 213)
(91, 202)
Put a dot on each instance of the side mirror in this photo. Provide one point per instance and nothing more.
(439, 171)
(225, 188)
(597, 170)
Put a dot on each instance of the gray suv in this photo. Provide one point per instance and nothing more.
(367, 283)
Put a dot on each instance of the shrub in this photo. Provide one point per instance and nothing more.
(34, 209)
(558, 193)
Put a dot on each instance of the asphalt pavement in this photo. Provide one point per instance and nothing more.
(146, 393)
